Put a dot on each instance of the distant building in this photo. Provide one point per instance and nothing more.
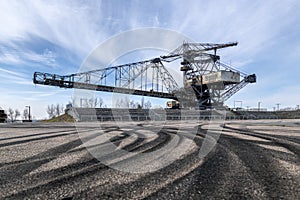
(3, 116)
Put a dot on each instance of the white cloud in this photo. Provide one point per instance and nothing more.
(9, 58)
(76, 27)
(256, 25)
(27, 57)
(47, 57)
(12, 77)
(10, 72)
(71, 25)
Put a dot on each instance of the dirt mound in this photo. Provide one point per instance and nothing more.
(61, 118)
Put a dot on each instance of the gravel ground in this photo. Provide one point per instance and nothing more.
(246, 160)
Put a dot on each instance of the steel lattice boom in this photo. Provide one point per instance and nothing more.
(207, 81)
(146, 78)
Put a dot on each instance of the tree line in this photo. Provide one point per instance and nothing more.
(91, 103)
(128, 103)
(13, 114)
(125, 102)
(54, 110)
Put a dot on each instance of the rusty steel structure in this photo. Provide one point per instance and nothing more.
(207, 81)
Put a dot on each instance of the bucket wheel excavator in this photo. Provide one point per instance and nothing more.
(207, 82)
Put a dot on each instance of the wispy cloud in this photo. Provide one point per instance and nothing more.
(10, 72)
(42, 35)
(27, 57)
(255, 25)
(51, 35)
(13, 77)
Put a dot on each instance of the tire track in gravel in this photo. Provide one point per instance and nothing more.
(37, 134)
(212, 180)
(205, 181)
(263, 163)
(53, 184)
(275, 182)
(290, 145)
(236, 168)
(148, 183)
(13, 172)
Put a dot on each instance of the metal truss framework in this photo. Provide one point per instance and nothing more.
(200, 59)
(147, 78)
(151, 78)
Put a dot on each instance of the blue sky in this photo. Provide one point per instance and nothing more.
(56, 37)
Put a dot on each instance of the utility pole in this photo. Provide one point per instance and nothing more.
(29, 116)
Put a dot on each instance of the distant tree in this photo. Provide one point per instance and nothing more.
(83, 103)
(17, 114)
(147, 105)
(126, 102)
(57, 109)
(51, 110)
(121, 103)
(11, 113)
(117, 103)
(100, 102)
(73, 102)
(62, 108)
(86, 103)
(90, 103)
(25, 114)
(95, 103)
(132, 104)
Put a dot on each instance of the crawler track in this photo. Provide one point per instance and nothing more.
(252, 159)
